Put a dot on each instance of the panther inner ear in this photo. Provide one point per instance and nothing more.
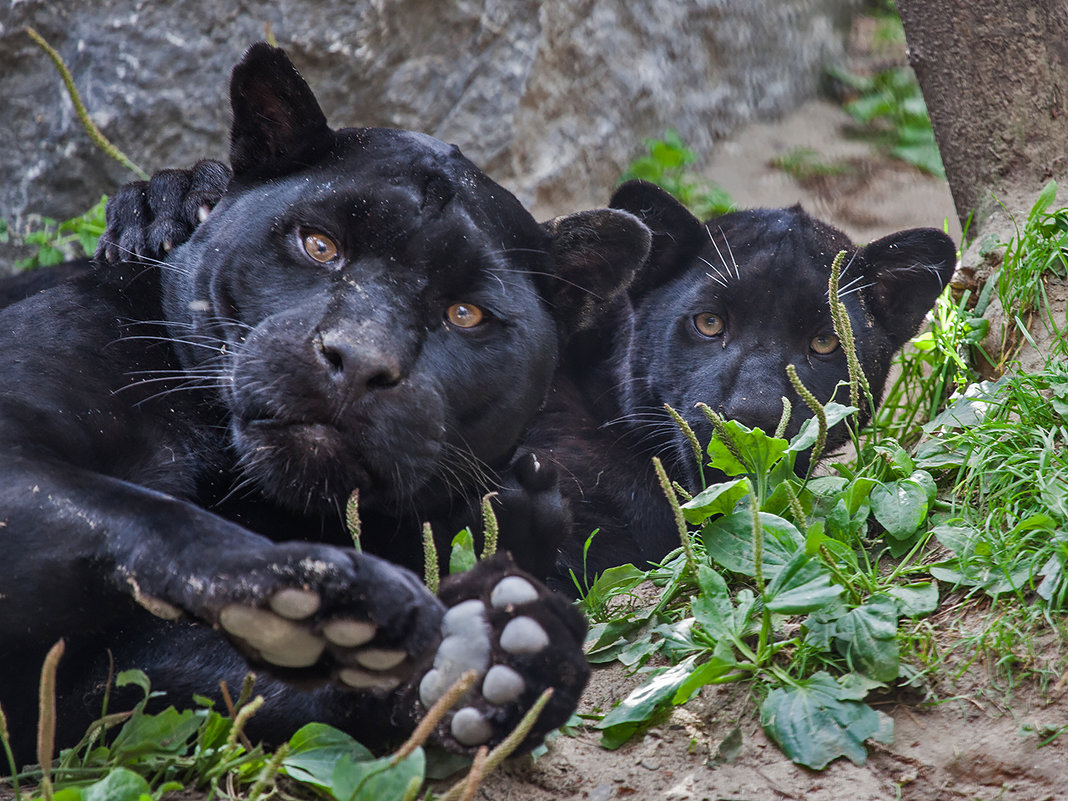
(278, 124)
(907, 271)
(676, 232)
(595, 256)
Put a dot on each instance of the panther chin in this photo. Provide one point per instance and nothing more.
(313, 466)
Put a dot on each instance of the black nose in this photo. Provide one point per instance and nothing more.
(760, 410)
(362, 365)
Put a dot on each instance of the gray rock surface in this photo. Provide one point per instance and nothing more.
(551, 97)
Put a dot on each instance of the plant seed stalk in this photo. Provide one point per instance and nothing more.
(843, 329)
(5, 739)
(490, 528)
(691, 437)
(46, 725)
(787, 410)
(506, 747)
(431, 576)
(680, 519)
(352, 518)
(817, 410)
(434, 715)
(269, 772)
(238, 726)
(724, 436)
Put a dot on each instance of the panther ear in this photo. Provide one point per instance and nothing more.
(278, 124)
(676, 232)
(905, 273)
(595, 257)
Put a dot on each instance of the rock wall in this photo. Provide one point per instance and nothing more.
(551, 97)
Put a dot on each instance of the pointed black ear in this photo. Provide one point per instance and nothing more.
(595, 256)
(278, 125)
(676, 232)
(907, 271)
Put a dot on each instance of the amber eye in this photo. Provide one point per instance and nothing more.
(708, 324)
(824, 344)
(464, 315)
(319, 246)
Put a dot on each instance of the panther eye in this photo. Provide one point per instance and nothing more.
(319, 246)
(464, 315)
(708, 324)
(824, 344)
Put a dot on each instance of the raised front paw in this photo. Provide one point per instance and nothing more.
(520, 638)
(312, 614)
(532, 512)
(146, 219)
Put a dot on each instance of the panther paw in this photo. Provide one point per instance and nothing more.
(520, 639)
(145, 220)
(330, 614)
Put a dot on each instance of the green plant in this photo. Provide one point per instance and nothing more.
(667, 164)
(152, 754)
(1037, 250)
(1004, 443)
(58, 241)
(891, 111)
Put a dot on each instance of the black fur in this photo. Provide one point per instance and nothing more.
(180, 439)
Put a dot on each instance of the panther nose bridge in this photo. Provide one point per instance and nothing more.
(359, 358)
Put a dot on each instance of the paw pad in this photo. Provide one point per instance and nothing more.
(279, 641)
(295, 604)
(465, 646)
(349, 633)
(512, 591)
(469, 727)
(502, 685)
(523, 635)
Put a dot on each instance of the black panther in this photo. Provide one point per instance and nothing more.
(362, 310)
(714, 316)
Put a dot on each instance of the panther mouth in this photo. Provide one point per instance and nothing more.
(303, 459)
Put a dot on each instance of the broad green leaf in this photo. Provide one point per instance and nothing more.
(959, 539)
(815, 724)
(120, 784)
(462, 556)
(708, 672)
(803, 586)
(165, 732)
(728, 541)
(867, 637)
(822, 625)
(915, 600)
(810, 429)
(316, 749)
(719, 499)
(718, 616)
(643, 702)
(925, 480)
(357, 780)
(900, 507)
(759, 451)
